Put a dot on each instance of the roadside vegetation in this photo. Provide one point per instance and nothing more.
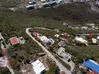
(4, 71)
(53, 69)
(82, 52)
(15, 23)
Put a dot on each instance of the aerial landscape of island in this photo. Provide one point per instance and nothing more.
(49, 36)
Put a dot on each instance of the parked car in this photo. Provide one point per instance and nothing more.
(46, 5)
(53, 3)
(29, 7)
(32, 3)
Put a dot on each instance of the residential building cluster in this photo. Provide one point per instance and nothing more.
(42, 38)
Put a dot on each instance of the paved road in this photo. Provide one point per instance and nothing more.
(56, 30)
(3, 40)
(42, 28)
(71, 63)
(10, 69)
(61, 67)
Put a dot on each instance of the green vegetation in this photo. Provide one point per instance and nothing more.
(46, 32)
(65, 64)
(23, 53)
(15, 23)
(81, 53)
(53, 69)
(10, 3)
(4, 71)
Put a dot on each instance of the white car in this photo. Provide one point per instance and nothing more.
(30, 6)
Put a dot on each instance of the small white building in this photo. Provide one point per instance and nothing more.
(61, 52)
(94, 41)
(81, 40)
(52, 41)
(21, 40)
(62, 44)
(45, 40)
(13, 9)
(57, 35)
(91, 25)
(38, 67)
(3, 61)
(97, 37)
(84, 28)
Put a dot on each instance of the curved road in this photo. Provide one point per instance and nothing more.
(10, 69)
(61, 67)
(71, 63)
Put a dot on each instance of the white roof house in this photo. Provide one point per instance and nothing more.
(43, 0)
(92, 25)
(94, 40)
(61, 50)
(44, 39)
(84, 27)
(62, 53)
(38, 67)
(3, 61)
(57, 35)
(81, 40)
(52, 41)
(98, 37)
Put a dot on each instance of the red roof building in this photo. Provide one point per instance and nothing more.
(34, 33)
(65, 34)
(37, 38)
(92, 72)
(14, 40)
(90, 36)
